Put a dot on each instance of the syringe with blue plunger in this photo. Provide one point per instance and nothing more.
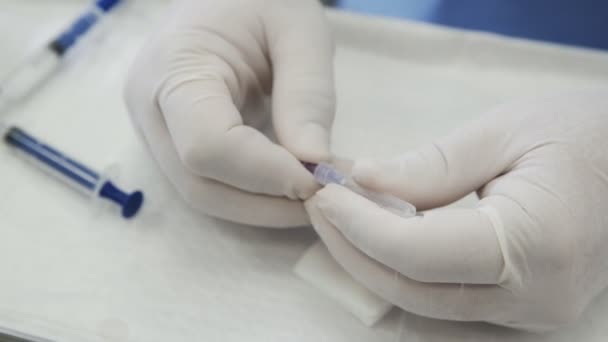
(30, 74)
(71, 171)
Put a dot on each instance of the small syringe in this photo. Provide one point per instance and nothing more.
(71, 172)
(325, 174)
(24, 79)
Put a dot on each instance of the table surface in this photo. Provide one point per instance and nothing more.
(72, 274)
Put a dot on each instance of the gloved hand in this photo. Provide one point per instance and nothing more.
(197, 92)
(531, 255)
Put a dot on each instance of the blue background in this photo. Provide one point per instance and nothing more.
(574, 22)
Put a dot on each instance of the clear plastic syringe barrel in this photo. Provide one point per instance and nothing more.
(325, 174)
(24, 79)
(54, 162)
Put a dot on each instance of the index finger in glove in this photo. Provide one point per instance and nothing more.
(462, 302)
(444, 246)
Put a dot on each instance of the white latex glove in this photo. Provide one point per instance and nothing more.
(531, 255)
(197, 90)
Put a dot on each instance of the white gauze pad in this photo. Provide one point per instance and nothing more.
(319, 268)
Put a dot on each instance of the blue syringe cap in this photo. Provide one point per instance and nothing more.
(310, 166)
(107, 5)
(130, 203)
(133, 204)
